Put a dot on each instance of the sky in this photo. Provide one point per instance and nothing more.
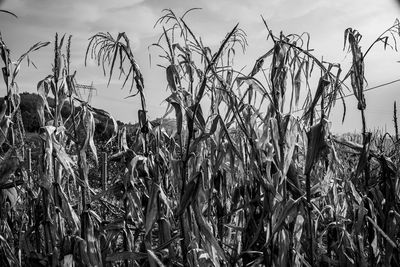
(324, 20)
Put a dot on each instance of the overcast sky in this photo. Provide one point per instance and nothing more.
(325, 20)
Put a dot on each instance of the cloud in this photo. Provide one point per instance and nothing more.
(137, 22)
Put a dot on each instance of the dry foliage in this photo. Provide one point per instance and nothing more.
(241, 180)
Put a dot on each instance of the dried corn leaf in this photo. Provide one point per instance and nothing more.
(8, 165)
(123, 144)
(108, 116)
(297, 83)
(48, 175)
(357, 68)
(152, 209)
(4, 127)
(205, 230)
(323, 84)
(155, 258)
(283, 239)
(33, 48)
(81, 252)
(297, 233)
(43, 89)
(316, 144)
(93, 246)
(364, 156)
(291, 133)
(9, 256)
(190, 193)
(9, 195)
(165, 200)
(63, 157)
(89, 126)
(281, 213)
(176, 102)
(275, 139)
(3, 109)
(173, 77)
(63, 93)
(68, 261)
(67, 209)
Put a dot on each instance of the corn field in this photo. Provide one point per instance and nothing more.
(249, 175)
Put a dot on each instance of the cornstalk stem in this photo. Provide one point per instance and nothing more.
(396, 128)
(184, 233)
(310, 228)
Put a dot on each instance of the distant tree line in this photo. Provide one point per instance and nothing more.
(30, 118)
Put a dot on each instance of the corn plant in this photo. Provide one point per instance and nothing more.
(239, 182)
(12, 142)
(242, 178)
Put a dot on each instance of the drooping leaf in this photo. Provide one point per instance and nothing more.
(4, 128)
(68, 261)
(43, 89)
(8, 165)
(93, 249)
(9, 195)
(33, 48)
(282, 212)
(81, 251)
(205, 230)
(323, 83)
(291, 133)
(7, 253)
(8, 12)
(297, 83)
(317, 144)
(122, 139)
(67, 209)
(190, 193)
(275, 139)
(297, 233)
(47, 136)
(155, 258)
(172, 77)
(152, 209)
(63, 157)
(176, 102)
(89, 127)
(284, 245)
(165, 200)
(108, 116)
